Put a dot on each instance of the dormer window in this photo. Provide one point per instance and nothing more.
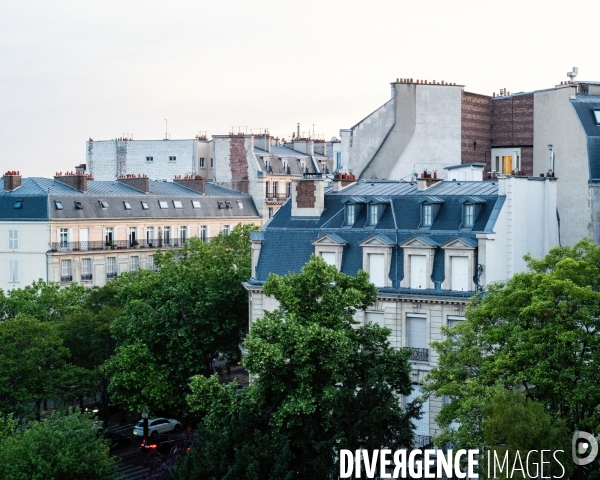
(103, 204)
(78, 205)
(597, 116)
(59, 205)
(373, 214)
(18, 203)
(350, 214)
(427, 215)
(127, 205)
(468, 215)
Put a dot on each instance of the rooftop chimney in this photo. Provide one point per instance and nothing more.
(77, 180)
(141, 182)
(12, 181)
(308, 196)
(427, 179)
(342, 180)
(197, 182)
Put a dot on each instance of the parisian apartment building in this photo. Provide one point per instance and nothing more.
(73, 228)
(428, 246)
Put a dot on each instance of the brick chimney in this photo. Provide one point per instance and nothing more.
(342, 180)
(76, 180)
(427, 179)
(12, 181)
(197, 182)
(141, 182)
(308, 196)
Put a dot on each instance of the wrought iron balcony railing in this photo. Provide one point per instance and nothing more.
(422, 441)
(86, 276)
(66, 278)
(118, 244)
(111, 274)
(276, 197)
(419, 354)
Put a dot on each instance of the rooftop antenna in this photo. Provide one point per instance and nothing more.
(166, 130)
(572, 74)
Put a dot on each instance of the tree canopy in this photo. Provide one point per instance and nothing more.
(539, 333)
(322, 382)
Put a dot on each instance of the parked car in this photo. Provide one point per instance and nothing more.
(156, 426)
(117, 441)
(158, 443)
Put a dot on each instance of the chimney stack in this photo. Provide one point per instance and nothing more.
(12, 181)
(141, 182)
(197, 182)
(427, 179)
(308, 196)
(77, 180)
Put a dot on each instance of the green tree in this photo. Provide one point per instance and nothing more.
(179, 318)
(322, 383)
(64, 446)
(512, 423)
(33, 365)
(539, 332)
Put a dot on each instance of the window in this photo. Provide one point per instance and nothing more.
(597, 116)
(86, 269)
(59, 205)
(203, 233)
(177, 204)
(150, 236)
(338, 159)
(132, 236)
(460, 273)
(167, 235)
(427, 215)
(134, 264)
(376, 269)
(163, 204)
(183, 234)
(63, 237)
(267, 188)
(212, 163)
(201, 162)
(149, 159)
(196, 203)
(240, 204)
(275, 189)
(288, 189)
(350, 214)
(454, 321)
(221, 204)
(127, 205)
(145, 206)
(109, 236)
(496, 164)
(78, 205)
(468, 215)
(270, 212)
(18, 203)
(228, 204)
(172, 159)
(373, 214)
(13, 239)
(111, 267)
(103, 204)
(329, 258)
(422, 424)
(150, 262)
(285, 166)
(417, 338)
(376, 318)
(303, 165)
(13, 271)
(84, 236)
(226, 229)
(418, 272)
(65, 271)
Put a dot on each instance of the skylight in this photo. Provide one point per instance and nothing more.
(18, 203)
(145, 205)
(177, 204)
(103, 204)
(163, 204)
(597, 116)
(127, 205)
(196, 203)
(240, 205)
(59, 205)
(78, 205)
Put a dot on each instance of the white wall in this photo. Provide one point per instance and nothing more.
(34, 242)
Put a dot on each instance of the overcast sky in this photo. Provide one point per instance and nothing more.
(70, 70)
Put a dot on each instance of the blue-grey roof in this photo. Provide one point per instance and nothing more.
(584, 106)
(288, 241)
(462, 165)
(39, 197)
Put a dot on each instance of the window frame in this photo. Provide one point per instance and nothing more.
(426, 215)
(177, 204)
(150, 158)
(145, 205)
(196, 204)
(468, 215)
(13, 243)
(172, 158)
(163, 204)
(350, 214)
(373, 215)
(18, 203)
(13, 270)
(58, 204)
(127, 205)
(201, 162)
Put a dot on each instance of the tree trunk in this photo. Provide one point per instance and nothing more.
(104, 404)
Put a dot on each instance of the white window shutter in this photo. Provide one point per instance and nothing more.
(417, 332)
(418, 272)
(460, 273)
(422, 425)
(329, 258)
(376, 269)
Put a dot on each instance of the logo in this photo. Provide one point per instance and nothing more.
(581, 442)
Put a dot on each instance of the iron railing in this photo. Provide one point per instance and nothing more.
(111, 274)
(419, 354)
(422, 441)
(118, 245)
(86, 276)
(276, 197)
(66, 278)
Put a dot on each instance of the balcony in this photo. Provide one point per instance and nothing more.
(117, 245)
(419, 355)
(66, 278)
(276, 197)
(422, 441)
(86, 277)
(111, 274)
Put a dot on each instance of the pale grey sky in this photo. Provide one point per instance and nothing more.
(70, 70)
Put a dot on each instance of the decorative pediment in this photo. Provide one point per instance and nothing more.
(420, 242)
(330, 239)
(461, 243)
(378, 241)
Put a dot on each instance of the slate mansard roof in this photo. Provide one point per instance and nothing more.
(39, 197)
(584, 106)
(287, 242)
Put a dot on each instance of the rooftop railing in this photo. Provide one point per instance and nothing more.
(119, 244)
